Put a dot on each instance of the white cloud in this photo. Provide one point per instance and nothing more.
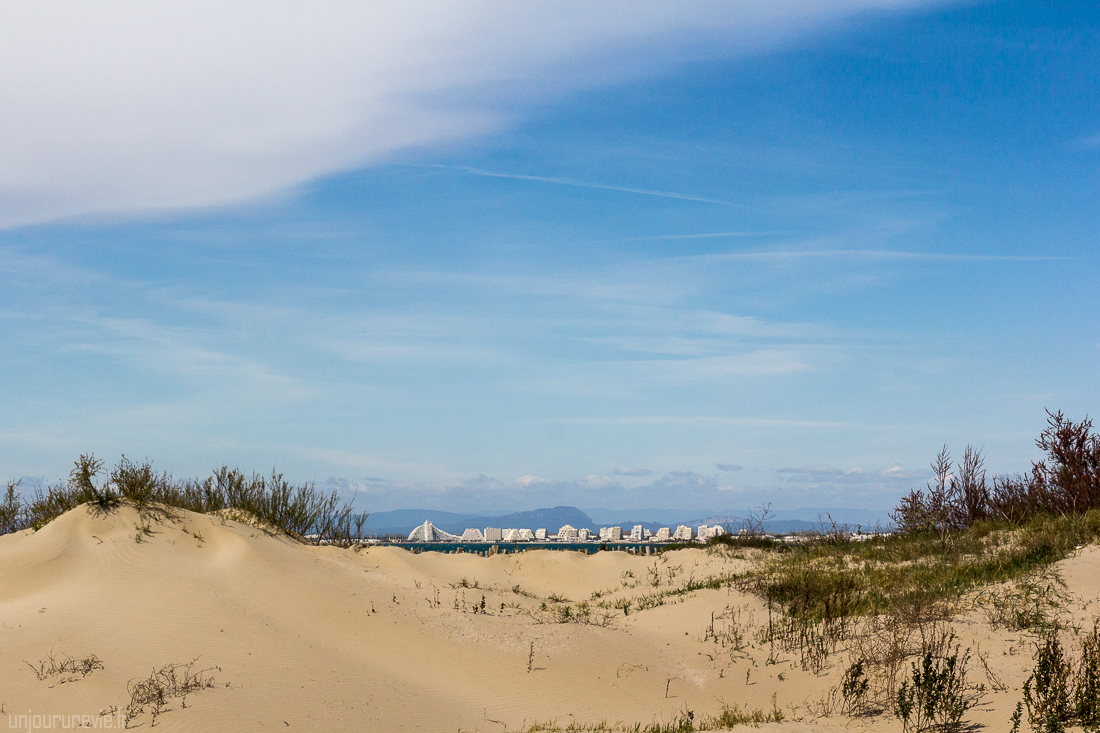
(121, 105)
(628, 471)
(686, 480)
(831, 475)
(529, 479)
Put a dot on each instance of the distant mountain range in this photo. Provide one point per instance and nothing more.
(403, 521)
(781, 520)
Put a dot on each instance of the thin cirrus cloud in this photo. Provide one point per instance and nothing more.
(122, 106)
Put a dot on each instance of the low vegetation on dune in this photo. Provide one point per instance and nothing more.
(964, 544)
(882, 610)
(962, 533)
(729, 717)
(301, 511)
(877, 616)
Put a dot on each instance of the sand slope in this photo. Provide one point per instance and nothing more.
(307, 638)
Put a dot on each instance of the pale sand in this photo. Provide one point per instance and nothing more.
(311, 638)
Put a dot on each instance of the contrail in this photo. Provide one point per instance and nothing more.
(581, 184)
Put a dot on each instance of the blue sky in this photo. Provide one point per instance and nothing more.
(476, 257)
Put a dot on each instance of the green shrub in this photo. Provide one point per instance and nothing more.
(1087, 682)
(937, 697)
(1056, 694)
(853, 689)
(1066, 481)
(1047, 690)
(299, 510)
(12, 515)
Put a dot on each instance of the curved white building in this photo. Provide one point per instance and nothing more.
(429, 533)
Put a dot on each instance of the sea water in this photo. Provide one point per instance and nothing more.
(482, 548)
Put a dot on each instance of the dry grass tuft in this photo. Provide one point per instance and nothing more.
(65, 669)
(163, 685)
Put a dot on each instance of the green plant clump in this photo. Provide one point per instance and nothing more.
(937, 697)
(1060, 692)
(301, 511)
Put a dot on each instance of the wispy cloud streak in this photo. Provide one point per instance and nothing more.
(870, 254)
(705, 235)
(584, 184)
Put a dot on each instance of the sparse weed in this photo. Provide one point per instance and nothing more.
(687, 721)
(465, 583)
(163, 685)
(143, 530)
(66, 669)
(730, 629)
(582, 613)
(1034, 601)
(646, 602)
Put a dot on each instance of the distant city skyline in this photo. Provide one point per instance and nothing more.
(493, 257)
(567, 533)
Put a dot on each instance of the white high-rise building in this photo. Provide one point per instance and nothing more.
(614, 533)
(567, 534)
(636, 533)
(493, 534)
(707, 532)
(663, 534)
(583, 535)
(683, 533)
(473, 535)
(540, 534)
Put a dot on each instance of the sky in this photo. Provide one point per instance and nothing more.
(498, 256)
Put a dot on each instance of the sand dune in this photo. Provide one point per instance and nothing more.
(315, 638)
